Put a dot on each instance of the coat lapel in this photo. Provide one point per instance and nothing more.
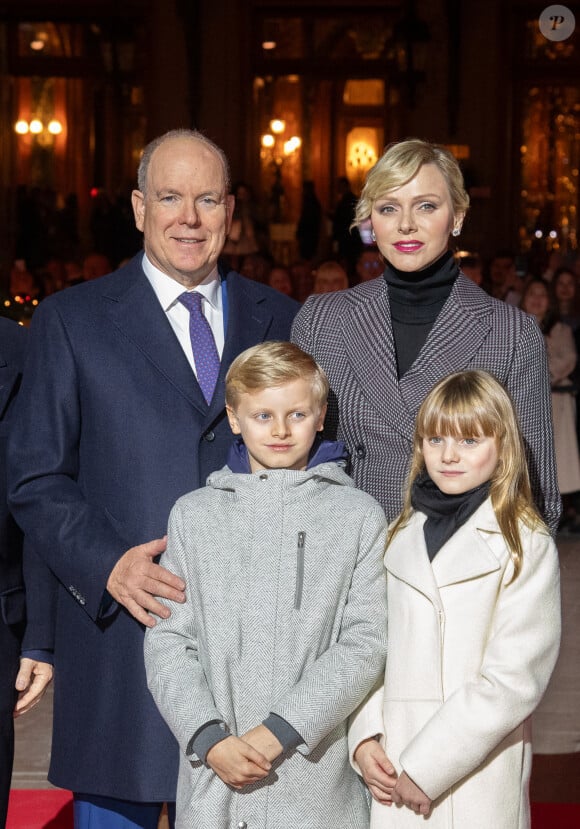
(474, 550)
(136, 311)
(456, 337)
(368, 322)
(249, 319)
(406, 559)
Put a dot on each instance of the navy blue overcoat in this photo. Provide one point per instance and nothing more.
(111, 429)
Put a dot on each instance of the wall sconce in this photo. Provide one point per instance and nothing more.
(273, 142)
(35, 127)
(361, 153)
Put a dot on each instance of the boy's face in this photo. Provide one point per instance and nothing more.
(278, 425)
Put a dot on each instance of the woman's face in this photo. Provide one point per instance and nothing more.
(565, 287)
(536, 300)
(412, 223)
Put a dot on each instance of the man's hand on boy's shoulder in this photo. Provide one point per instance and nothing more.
(262, 739)
(237, 763)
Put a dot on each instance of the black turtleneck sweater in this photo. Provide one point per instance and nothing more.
(416, 300)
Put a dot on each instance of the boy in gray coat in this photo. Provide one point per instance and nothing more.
(283, 631)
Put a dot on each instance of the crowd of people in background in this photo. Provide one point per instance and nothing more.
(51, 254)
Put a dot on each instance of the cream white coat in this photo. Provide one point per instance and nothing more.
(470, 656)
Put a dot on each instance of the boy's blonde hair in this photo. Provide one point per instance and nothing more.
(472, 403)
(272, 364)
(399, 164)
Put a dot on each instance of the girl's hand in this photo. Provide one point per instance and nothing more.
(407, 793)
(377, 770)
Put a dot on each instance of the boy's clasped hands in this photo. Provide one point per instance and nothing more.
(239, 761)
(385, 785)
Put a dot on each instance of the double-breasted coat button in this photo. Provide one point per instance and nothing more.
(242, 825)
(263, 477)
(209, 436)
(360, 451)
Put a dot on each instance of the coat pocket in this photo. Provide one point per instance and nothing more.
(13, 606)
(299, 570)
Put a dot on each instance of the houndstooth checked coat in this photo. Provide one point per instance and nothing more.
(373, 411)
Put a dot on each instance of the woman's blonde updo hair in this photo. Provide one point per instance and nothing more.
(399, 164)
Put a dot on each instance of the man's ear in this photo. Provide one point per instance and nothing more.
(234, 425)
(138, 202)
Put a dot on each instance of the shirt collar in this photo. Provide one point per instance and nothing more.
(168, 290)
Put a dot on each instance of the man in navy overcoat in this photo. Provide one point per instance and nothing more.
(112, 427)
(22, 681)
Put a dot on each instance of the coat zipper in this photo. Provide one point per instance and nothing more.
(299, 570)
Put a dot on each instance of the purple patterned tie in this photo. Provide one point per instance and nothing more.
(205, 353)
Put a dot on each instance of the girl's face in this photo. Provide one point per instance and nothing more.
(536, 301)
(412, 223)
(456, 463)
(565, 287)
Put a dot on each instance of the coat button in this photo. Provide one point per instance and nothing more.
(360, 451)
(209, 436)
(242, 825)
(263, 477)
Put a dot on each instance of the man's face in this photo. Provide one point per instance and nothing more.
(185, 214)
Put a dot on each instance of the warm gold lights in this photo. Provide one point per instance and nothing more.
(36, 127)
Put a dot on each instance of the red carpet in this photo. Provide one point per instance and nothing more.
(52, 809)
(40, 809)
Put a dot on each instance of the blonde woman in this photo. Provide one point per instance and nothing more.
(385, 342)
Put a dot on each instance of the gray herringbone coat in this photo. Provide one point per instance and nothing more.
(373, 411)
(259, 634)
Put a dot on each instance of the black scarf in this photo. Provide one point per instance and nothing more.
(445, 513)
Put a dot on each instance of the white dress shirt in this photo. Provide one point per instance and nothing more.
(168, 291)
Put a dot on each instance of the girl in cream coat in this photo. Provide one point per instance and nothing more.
(474, 624)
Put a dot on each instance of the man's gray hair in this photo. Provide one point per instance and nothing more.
(193, 135)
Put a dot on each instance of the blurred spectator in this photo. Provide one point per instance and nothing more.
(95, 265)
(73, 272)
(248, 233)
(472, 267)
(562, 357)
(554, 264)
(329, 277)
(22, 282)
(369, 264)
(52, 276)
(280, 280)
(565, 290)
(302, 279)
(309, 223)
(102, 224)
(503, 281)
(68, 240)
(347, 242)
(256, 266)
